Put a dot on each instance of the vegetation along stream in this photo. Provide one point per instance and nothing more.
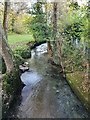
(46, 93)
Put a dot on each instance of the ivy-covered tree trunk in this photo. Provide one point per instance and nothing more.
(5, 51)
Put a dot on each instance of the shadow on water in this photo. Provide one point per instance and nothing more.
(46, 94)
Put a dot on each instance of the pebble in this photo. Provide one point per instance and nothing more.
(57, 91)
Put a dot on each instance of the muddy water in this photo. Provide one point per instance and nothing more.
(46, 94)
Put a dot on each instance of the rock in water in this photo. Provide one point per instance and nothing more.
(57, 91)
(23, 68)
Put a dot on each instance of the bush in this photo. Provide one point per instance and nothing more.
(19, 28)
(18, 60)
(11, 82)
(38, 25)
(24, 52)
(11, 87)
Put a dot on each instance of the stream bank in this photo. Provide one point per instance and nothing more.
(11, 82)
(46, 94)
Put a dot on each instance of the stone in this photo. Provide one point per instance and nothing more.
(23, 68)
(57, 91)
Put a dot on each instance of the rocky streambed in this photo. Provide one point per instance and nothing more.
(46, 93)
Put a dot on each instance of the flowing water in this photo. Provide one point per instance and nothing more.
(46, 94)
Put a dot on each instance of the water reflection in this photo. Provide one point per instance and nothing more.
(30, 78)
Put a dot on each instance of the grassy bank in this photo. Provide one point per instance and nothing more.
(11, 81)
(12, 84)
(18, 40)
(22, 44)
(80, 86)
(14, 38)
(18, 44)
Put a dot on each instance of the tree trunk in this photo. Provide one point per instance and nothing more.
(50, 52)
(5, 19)
(54, 27)
(5, 51)
(49, 47)
(57, 39)
(54, 20)
(59, 51)
(88, 61)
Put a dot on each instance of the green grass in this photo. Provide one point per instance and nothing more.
(16, 38)
(19, 40)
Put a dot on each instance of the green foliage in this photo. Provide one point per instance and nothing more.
(19, 28)
(18, 23)
(18, 60)
(74, 6)
(73, 32)
(11, 82)
(38, 26)
(23, 51)
(75, 37)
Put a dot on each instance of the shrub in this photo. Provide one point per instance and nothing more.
(24, 52)
(11, 87)
(18, 59)
(38, 25)
(11, 82)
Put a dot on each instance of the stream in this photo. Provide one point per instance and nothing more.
(46, 94)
